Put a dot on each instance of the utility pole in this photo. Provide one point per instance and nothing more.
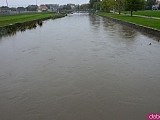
(7, 3)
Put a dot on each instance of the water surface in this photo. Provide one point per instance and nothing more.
(79, 67)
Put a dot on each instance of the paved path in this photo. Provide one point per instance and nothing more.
(139, 16)
(145, 16)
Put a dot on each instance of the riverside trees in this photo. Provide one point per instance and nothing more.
(118, 5)
(134, 5)
(149, 4)
(92, 2)
(108, 5)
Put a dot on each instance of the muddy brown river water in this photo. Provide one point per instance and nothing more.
(80, 67)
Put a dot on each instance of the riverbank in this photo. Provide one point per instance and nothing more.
(148, 25)
(11, 24)
(21, 18)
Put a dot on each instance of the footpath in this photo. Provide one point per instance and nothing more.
(138, 15)
(144, 16)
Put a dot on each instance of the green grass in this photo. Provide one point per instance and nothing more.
(153, 13)
(11, 19)
(149, 22)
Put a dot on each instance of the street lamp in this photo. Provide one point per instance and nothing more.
(7, 3)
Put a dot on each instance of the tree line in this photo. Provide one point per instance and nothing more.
(121, 5)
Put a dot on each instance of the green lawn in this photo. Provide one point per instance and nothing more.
(153, 13)
(10, 19)
(149, 22)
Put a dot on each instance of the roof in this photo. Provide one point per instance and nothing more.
(43, 7)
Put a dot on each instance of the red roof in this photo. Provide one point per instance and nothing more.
(43, 7)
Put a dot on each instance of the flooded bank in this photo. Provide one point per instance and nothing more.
(79, 67)
(11, 29)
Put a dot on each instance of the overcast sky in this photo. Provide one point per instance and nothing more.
(15, 3)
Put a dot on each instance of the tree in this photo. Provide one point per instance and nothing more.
(91, 2)
(67, 7)
(107, 5)
(5, 7)
(97, 5)
(84, 6)
(149, 3)
(119, 5)
(20, 9)
(134, 5)
(32, 8)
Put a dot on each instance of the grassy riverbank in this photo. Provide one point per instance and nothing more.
(150, 13)
(11, 19)
(149, 22)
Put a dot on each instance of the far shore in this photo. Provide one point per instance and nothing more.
(9, 20)
(11, 23)
(148, 25)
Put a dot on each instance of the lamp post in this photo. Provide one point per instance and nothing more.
(7, 3)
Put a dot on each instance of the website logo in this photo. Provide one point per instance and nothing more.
(153, 116)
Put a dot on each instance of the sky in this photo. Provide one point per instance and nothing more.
(16, 3)
(24, 3)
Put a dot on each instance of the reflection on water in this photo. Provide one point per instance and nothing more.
(123, 31)
(11, 30)
(80, 67)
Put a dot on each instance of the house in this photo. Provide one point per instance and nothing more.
(21, 9)
(73, 6)
(4, 10)
(13, 9)
(53, 7)
(42, 8)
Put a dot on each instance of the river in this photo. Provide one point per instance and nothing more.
(80, 67)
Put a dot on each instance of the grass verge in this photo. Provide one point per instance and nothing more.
(149, 22)
(151, 13)
(11, 19)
